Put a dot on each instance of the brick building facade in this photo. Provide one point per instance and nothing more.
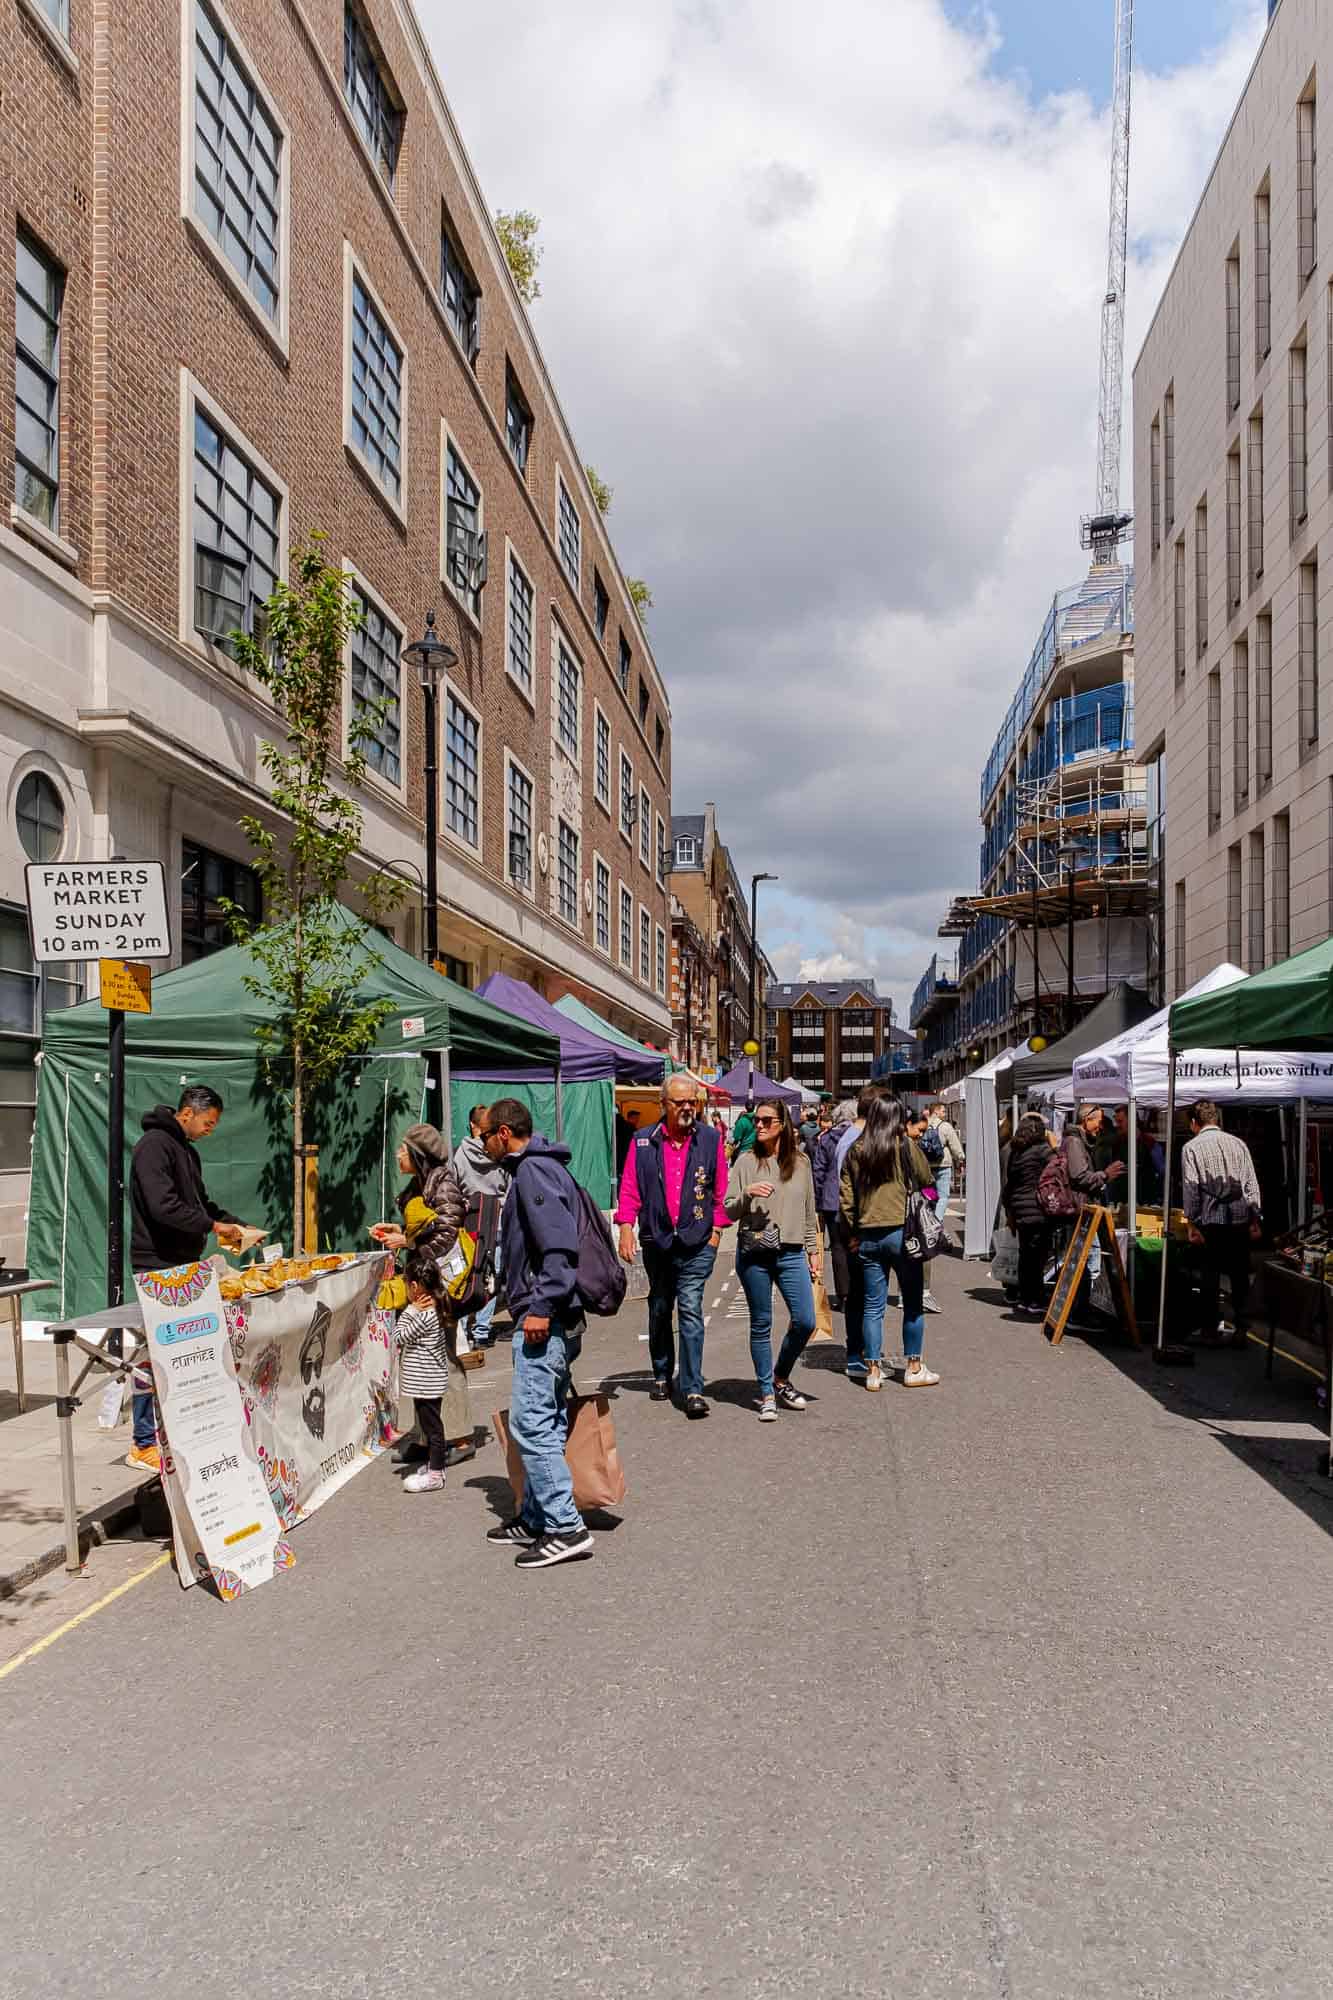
(828, 1034)
(253, 292)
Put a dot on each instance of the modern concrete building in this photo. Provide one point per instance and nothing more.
(1233, 507)
(254, 291)
(1061, 912)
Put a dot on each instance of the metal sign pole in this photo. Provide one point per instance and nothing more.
(115, 1158)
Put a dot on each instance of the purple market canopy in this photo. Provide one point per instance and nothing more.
(584, 1056)
(736, 1083)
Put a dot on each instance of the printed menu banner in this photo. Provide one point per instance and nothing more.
(308, 1368)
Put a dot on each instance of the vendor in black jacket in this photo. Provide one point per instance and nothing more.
(172, 1218)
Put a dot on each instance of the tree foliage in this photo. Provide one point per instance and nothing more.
(517, 231)
(601, 492)
(640, 594)
(308, 961)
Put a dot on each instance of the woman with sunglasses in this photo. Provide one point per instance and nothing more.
(772, 1196)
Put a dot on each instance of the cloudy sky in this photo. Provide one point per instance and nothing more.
(821, 294)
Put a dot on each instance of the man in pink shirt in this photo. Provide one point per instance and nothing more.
(672, 1189)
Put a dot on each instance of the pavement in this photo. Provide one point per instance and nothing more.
(1010, 1688)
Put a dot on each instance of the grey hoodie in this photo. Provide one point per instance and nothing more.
(477, 1172)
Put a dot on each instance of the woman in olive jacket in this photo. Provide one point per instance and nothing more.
(883, 1168)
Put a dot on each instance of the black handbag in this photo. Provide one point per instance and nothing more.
(923, 1232)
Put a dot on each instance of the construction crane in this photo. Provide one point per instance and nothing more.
(1104, 531)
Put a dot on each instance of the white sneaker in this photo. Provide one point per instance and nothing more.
(917, 1376)
(424, 1481)
(874, 1377)
(768, 1409)
(930, 1303)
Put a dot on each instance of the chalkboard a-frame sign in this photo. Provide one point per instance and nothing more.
(1092, 1222)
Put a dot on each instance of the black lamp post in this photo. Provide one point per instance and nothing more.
(755, 880)
(432, 659)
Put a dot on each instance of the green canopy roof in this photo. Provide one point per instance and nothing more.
(204, 1010)
(1289, 1006)
(575, 1010)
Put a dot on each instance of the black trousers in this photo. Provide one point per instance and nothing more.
(432, 1429)
(1225, 1253)
(1034, 1246)
(831, 1222)
(853, 1290)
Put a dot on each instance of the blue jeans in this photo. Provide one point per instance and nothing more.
(539, 1426)
(676, 1278)
(943, 1182)
(143, 1430)
(789, 1270)
(882, 1252)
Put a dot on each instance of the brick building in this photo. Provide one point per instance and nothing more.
(828, 1034)
(710, 920)
(253, 291)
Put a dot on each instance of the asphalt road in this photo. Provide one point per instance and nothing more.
(1014, 1688)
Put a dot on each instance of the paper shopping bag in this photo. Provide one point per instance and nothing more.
(591, 1453)
(823, 1314)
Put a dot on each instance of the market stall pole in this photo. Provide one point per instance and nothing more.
(104, 1354)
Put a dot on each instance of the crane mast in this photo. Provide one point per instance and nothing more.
(1107, 528)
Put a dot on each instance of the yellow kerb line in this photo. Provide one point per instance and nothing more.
(1294, 1359)
(90, 1612)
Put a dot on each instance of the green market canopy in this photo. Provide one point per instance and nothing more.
(1288, 1006)
(203, 1030)
(575, 1010)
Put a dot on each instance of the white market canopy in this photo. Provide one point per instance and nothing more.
(1138, 1064)
(981, 1129)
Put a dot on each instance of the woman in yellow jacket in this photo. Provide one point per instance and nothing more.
(882, 1169)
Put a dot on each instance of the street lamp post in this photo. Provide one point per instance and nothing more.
(432, 659)
(1069, 855)
(755, 880)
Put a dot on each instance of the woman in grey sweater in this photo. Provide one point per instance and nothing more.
(772, 1195)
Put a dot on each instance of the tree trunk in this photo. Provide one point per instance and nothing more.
(298, 1153)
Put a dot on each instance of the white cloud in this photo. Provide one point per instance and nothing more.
(821, 295)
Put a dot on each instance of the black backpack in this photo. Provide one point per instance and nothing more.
(601, 1275)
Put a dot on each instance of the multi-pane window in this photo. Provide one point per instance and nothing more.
(645, 827)
(39, 295)
(39, 816)
(237, 163)
(567, 700)
(569, 533)
(518, 827)
(1307, 188)
(464, 543)
(518, 421)
(1233, 532)
(627, 805)
(1240, 723)
(28, 993)
(519, 646)
(1309, 657)
(687, 851)
(602, 761)
(1281, 901)
(1233, 333)
(659, 738)
(370, 95)
(1254, 957)
(236, 536)
(1214, 747)
(57, 12)
(1178, 607)
(377, 391)
(1263, 272)
(208, 881)
(601, 605)
(602, 906)
(567, 872)
(659, 944)
(1255, 497)
(1200, 578)
(1299, 437)
(461, 295)
(462, 770)
(623, 665)
(626, 929)
(1169, 457)
(1263, 701)
(645, 946)
(643, 700)
(1235, 906)
(1155, 481)
(375, 686)
(659, 850)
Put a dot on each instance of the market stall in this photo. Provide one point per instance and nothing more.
(738, 1081)
(981, 1132)
(578, 1102)
(204, 1028)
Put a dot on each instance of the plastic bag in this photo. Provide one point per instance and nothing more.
(1004, 1263)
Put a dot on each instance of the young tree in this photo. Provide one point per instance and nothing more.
(640, 594)
(309, 960)
(601, 492)
(518, 239)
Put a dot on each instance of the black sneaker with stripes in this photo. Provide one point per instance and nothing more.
(512, 1535)
(575, 1545)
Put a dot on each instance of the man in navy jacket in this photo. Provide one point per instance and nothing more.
(539, 1252)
